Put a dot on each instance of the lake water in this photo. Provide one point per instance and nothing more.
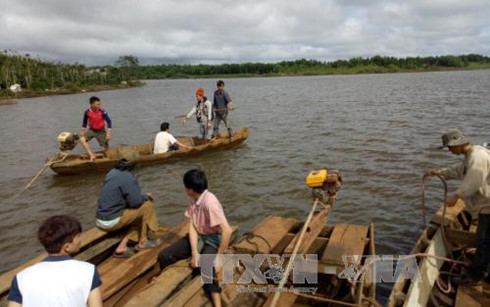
(381, 131)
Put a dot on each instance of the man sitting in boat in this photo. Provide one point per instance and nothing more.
(95, 117)
(58, 280)
(209, 231)
(121, 204)
(164, 141)
(475, 191)
(203, 111)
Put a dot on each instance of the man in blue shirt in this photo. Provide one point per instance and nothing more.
(121, 204)
(222, 103)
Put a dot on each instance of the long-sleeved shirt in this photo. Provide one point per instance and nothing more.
(202, 111)
(475, 187)
(121, 191)
(221, 100)
(95, 119)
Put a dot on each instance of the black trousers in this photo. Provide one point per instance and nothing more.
(182, 250)
(481, 261)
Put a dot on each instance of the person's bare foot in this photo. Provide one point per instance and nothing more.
(92, 157)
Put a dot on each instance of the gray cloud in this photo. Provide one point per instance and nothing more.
(197, 31)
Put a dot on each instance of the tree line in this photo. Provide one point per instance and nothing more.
(41, 75)
(376, 64)
(34, 74)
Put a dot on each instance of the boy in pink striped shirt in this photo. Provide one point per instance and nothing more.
(209, 231)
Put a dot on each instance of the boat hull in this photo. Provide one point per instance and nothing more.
(78, 164)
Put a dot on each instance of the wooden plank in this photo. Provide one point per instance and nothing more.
(162, 286)
(98, 249)
(286, 299)
(198, 299)
(185, 294)
(348, 240)
(273, 229)
(451, 213)
(470, 297)
(166, 283)
(461, 237)
(419, 291)
(315, 227)
(133, 267)
(88, 237)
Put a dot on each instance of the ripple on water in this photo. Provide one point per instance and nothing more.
(381, 131)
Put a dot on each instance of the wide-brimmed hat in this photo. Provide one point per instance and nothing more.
(454, 137)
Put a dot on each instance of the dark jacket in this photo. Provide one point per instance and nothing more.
(120, 191)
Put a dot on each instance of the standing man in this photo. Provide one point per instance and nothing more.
(222, 103)
(95, 117)
(203, 111)
(475, 191)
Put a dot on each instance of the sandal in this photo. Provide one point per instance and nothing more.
(126, 254)
(151, 243)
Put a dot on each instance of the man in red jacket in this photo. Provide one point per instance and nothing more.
(95, 117)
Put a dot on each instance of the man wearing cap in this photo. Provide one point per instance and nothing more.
(203, 111)
(475, 191)
(122, 205)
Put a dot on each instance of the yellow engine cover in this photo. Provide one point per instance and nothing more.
(315, 179)
(64, 136)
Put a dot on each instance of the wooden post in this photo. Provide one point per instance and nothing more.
(295, 251)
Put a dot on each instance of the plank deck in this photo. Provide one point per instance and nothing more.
(88, 237)
(451, 214)
(471, 297)
(348, 240)
(273, 229)
(129, 269)
(314, 229)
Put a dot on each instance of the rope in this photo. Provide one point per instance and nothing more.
(49, 163)
(249, 235)
(443, 229)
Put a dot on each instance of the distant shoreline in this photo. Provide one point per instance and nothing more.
(6, 100)
(378, 70)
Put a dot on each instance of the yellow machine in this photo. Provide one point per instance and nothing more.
(325, 184)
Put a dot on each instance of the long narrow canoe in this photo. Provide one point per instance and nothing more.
(77, 164)
(434, 288)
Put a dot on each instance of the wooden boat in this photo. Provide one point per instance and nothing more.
(121, 277)
(129, 282)
(77, 164)
(275, 235)
(453, 234)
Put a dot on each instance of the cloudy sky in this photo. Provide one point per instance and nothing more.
(223, 31)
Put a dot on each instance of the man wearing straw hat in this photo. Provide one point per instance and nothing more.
(121, 204)
(475, 191)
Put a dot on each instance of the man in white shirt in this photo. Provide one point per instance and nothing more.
(474, 171)
(164, 141)
(58, 280)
